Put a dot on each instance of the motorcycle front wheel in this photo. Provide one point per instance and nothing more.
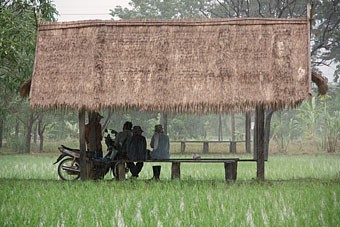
(69, 169)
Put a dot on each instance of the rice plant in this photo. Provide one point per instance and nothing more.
(299, 191)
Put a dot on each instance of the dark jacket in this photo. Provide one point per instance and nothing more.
(137, 148)
(122, 140)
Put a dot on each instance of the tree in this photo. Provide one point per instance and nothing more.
(18, 23)
(159, 9)
(326, 32)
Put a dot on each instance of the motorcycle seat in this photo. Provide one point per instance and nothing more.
(70, 149)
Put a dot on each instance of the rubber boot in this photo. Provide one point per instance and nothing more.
(157, 172)
(154, 172)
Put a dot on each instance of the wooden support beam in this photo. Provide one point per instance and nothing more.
(92, 131)
(205, 147)
(248, 129)
(259, 121)
(182, 147)
(82, 145)
(230, 171)
(176, 170)
(232, 147)
(121, 171)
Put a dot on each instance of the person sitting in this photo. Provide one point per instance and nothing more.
(122, 140)
(161, 146)
(136, 151)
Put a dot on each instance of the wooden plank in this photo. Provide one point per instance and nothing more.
(209, 141)
(190, 160)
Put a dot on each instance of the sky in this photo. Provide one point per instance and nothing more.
(71, 10)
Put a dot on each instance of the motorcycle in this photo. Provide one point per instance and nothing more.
(69, 166)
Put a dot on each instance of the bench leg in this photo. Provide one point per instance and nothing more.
(121, 171)
(175, 170)
(230, 171)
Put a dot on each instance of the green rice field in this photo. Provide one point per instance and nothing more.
(300, 190)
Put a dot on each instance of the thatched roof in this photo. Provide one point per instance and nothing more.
(201, 65)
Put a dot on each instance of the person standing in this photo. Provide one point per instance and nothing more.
(161, 147)
(98, 135)
(136, 151)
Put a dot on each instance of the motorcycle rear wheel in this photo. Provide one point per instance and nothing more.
(114, 170)
(69, 169)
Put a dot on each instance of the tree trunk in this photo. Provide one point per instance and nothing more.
(17, 129)
(16, 133)
(248, 132)
(41, 128)
(35, 134)
(29, 126)
(1, 131)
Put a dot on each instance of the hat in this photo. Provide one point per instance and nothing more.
(136, 129)
(158, 128)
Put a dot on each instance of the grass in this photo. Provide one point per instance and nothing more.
(300, 190)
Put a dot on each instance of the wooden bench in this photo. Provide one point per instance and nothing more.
(230, 166)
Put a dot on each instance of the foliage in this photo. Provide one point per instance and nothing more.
(309, 115)
(283, 127)
(326, 32)
(332, 131)
(170, 9)
(18, 25)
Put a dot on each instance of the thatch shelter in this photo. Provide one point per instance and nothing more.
(196, 65)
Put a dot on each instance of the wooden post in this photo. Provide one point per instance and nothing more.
(121, 171)
(259, 121)
(233, 128)
(175, 170)
(82, 146)
(205, 147)
(182, 146)
(232, 147)
(230, 169)
(248, 129)
(92, 131)
(220, 137)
